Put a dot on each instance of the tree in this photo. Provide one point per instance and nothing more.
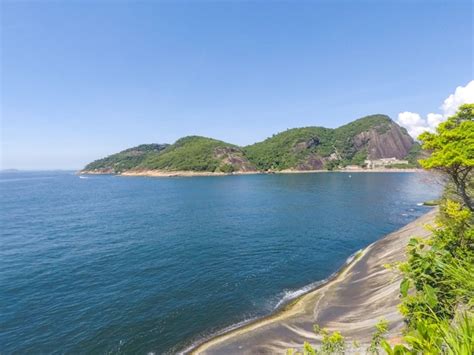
(452, 150)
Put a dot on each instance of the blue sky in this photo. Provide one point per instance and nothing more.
(84, 79)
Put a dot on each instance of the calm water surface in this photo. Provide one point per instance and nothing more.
(135, 265)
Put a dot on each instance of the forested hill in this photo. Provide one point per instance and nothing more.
(125, 160)
(371, 137)
(309, 148)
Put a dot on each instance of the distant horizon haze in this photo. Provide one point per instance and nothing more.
(83, 80)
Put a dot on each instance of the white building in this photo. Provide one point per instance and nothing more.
(381, 163)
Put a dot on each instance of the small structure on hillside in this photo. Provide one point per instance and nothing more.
(381, 163)
(352, 167)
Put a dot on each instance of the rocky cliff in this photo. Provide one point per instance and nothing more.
(395, 142)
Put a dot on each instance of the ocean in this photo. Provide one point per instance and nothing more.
(109, 264)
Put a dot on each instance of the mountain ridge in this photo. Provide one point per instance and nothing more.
(371, 137)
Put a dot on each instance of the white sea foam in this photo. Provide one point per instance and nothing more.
(222, 331)
(288, 295)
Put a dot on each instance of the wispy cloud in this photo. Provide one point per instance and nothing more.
(415, 124)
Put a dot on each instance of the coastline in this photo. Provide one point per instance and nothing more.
(351, 301)
(163, 173)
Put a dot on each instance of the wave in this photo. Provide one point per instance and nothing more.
(288, 296)
(216, 334)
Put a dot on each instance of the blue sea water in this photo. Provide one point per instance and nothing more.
(108, 264)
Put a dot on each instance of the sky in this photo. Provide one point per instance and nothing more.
(84, 79)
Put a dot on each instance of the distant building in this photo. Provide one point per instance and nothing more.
(352, 167)
(381, 163)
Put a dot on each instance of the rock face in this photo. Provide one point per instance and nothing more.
(306, 144)
(392, 143)
(235, 158)
(100, 171)
(312, 162)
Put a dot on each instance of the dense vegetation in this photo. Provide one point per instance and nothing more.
(285, 150)
(126, 159)
(282, 151)
(437, 290)
(192, 153)
(416, 152)
(299, 148)
(452, 148)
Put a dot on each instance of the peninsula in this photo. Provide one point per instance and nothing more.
(373, 142)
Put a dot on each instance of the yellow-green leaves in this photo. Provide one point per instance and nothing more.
(452, 150)
(453, 142)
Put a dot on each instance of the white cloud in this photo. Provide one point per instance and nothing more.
(416, 125)
(434, 119)
(462, 95)
(413, 122)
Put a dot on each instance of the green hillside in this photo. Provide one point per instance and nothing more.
(317, 147)
(126, 159)
(196, 153)
(285, 150)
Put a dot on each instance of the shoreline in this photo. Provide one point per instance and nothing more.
(162, 173)
(282, 307)
(350, 300)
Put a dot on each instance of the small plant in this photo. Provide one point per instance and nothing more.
(308, 349)
(333, 343)
(379, 335)
(316, 328)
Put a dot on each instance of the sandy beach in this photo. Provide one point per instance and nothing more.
(352, 302)
(164, 173)
(353, 170)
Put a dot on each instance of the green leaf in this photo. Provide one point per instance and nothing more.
(430, 295)
(413, 242)
(404, 287)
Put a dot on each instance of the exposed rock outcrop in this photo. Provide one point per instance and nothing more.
(306, 144)
(234, 157)
(312, 162)
(392, 143)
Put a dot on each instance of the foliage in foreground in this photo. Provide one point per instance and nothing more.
(437, 290)
(452, 151)
(437, 294)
